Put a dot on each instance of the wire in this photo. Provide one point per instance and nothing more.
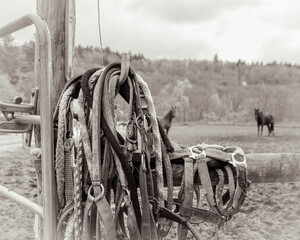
(99, 28)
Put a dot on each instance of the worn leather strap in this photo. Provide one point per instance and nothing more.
(131, 220)
(148, 229)
(206, 182)
(165, 224)
(88, 229)
(103, 208)
(188, 196)
(104, 211)
(145, 227)
(64, 216)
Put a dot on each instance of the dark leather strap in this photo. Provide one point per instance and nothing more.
(86, 90)
(145, 227)
(105, 76)
(206, 182)
(104, 211)
(87, 232)
(131, 221)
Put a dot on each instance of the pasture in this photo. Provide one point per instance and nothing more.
(271, 211)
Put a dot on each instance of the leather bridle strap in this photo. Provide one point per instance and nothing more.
(103, 208)
(206, 182)
(123, 158)
(188, 196)
(148, 229)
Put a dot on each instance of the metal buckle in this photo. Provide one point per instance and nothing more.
(196, 155)
(235, 162)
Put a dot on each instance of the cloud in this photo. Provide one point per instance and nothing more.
(281, 48)
(284, 15)
(252, 30)
(13, 9)
(188, 11)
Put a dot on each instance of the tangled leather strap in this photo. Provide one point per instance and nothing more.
(102, 164)
(230, 192)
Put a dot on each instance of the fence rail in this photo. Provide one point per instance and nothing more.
(43, 63)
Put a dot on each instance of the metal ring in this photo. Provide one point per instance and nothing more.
(95, 199)
(137, 122)
(234, 162)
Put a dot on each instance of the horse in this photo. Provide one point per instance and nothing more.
(262, 120)
(166, 120)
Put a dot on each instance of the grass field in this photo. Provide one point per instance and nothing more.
(286, 137)
(271, 211)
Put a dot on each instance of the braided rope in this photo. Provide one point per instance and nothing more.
(61, 135)
(78, 213)
(85, 86)
(93, 79)
(84, 132)
(156, 139)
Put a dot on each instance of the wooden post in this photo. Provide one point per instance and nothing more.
(54, 12)
(60, 18)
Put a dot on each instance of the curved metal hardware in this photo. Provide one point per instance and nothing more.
(44, 66)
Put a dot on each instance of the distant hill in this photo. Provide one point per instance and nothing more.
(202, 90)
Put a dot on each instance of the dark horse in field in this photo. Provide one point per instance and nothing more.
(166, 120)
(262, 120)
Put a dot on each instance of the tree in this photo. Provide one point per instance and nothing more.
(10, 58)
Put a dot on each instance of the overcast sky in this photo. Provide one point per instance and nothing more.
(252, 30)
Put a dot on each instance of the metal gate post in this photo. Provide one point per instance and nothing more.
(47, 142)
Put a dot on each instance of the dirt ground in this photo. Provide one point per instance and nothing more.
(271, 211)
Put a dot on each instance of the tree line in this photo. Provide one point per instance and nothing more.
(202, 90)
